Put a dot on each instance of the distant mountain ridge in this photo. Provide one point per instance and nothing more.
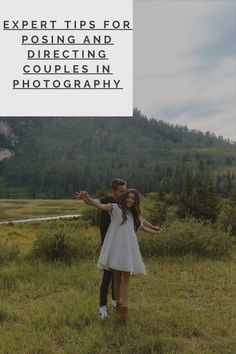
(7, 136)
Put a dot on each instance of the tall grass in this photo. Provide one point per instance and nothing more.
(8, 252)
(185, 305)
(59, 245)
(11, 209)
(189, 236)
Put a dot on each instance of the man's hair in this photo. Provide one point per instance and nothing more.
(117, 182)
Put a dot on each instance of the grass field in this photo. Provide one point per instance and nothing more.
(185, 304)
(11, 209)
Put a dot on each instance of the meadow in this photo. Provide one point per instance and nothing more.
(11, 209)
(186, 304)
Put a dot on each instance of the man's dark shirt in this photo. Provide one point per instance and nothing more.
(105, 217)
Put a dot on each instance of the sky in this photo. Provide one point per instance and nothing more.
(185, 63)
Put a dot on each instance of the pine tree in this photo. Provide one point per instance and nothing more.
(233, 195)
(204, 201)
(185, 200)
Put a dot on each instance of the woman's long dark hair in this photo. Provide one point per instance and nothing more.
(135, 209)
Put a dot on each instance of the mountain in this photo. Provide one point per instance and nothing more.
(53, 157)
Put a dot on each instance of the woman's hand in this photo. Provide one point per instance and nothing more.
(157, 228)
(149, 230)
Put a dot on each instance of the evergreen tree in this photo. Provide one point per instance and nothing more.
(204, 201)
(185, 200)
(198, 197)
(233, 195)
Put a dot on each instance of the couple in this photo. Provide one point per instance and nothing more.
(120, 255)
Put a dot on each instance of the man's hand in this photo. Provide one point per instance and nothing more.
(83, 195)
(79, 195)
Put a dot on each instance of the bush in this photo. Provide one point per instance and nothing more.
(156, 213)
(57, 245)
(187, 237)
(171, 215)
(226, 219)
(8, 252)
(92, 215)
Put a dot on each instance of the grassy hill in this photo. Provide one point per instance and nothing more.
(53, 157)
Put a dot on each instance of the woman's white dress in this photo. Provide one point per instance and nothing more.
(120, 249)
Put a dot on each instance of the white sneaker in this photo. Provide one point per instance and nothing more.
(113, 304)
(103, 312)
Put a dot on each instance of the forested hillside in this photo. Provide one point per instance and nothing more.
(53, 157)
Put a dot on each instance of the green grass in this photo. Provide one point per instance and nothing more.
(11, 209)
(182, 306)
(185, 304)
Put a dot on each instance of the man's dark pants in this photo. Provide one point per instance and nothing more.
(107, 279)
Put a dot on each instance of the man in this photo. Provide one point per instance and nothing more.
(118, 187)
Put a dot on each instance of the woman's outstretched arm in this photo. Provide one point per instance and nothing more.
(149, 225)
(87, 199)
(150, 231)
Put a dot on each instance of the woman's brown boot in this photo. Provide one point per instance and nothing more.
(118, 308)
(125, 314)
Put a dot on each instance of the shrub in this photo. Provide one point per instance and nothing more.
(58, 245)
(171, 215)
(92, 215)
(187, 237)
(226, 219)
(8, 252)
(156, 213)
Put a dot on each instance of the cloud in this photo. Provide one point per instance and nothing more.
(219, 27)
(185, 63)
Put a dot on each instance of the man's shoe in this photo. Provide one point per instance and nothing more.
(103, 312)
(113, 304)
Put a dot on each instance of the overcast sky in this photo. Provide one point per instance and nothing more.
(185, 63)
